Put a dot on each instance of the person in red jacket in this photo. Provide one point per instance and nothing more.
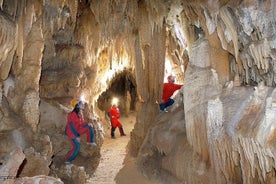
(114, 114)
(75, 127)
(168, 90)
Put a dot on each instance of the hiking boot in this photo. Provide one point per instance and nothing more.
(123, 135)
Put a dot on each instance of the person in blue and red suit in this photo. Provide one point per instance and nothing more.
(75, 127)
(168, 90)
(114, 114)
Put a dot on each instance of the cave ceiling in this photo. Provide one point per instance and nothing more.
(95, 39)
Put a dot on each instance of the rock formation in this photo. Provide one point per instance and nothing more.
(221, 128)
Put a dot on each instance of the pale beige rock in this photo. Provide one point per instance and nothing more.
(52, 118)
(12, 164)
(71, 173)
(38, 179)
(36, 164)
(60, 50)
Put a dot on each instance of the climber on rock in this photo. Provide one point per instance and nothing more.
(168, 90)
(114, 114)
(75, 127)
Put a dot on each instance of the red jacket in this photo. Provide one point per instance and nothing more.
(73, 125)
(114, 115)
(168, 90)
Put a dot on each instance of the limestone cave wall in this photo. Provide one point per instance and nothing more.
(221, 128)
(226, 132)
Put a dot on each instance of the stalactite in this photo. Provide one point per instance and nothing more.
(250, 150)
(255, 156)
(74, 10)
(1, 4)
(20, 37)
(257, 51)
(230, 27)
(7, 42)
(157, 12)
(210, 23)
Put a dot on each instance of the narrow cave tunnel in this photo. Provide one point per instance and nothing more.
(123, 87)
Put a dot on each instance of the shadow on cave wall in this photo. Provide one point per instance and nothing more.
(122, 86)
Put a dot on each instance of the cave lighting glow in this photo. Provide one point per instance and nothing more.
(168, 70)
(82, 98)
(115, 101)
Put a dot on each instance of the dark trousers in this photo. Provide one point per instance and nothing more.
(165, 105)
(120, 129)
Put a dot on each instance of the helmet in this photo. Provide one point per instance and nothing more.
(74, 103)
(171, 78)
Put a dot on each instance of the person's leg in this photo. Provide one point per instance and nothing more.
(72, 154)
(169, 103)
(88, 130)
(113, 127)
(122, 133)
(162, 106)
(112, 131)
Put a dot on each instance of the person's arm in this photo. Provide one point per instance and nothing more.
(118, 113)
(177, 86)
(112, 113)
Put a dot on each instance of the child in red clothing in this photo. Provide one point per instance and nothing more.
(168, 90)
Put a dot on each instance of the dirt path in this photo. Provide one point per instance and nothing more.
(115, 166)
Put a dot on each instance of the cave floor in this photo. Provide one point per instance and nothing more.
(116, 166)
